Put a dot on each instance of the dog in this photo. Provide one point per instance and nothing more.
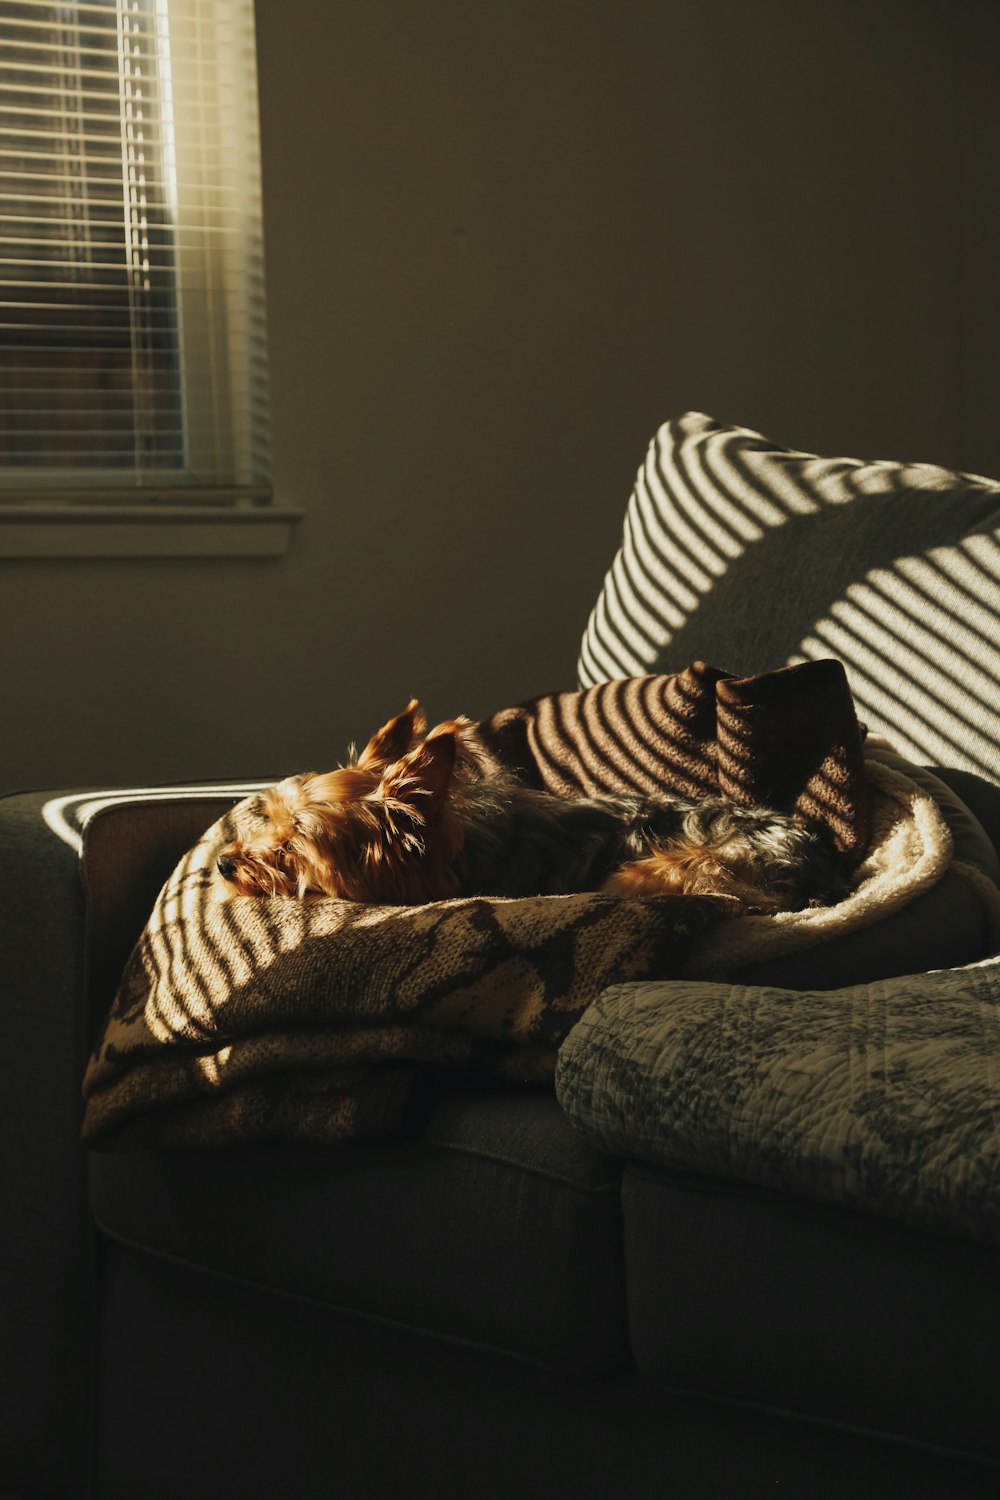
(420, 817)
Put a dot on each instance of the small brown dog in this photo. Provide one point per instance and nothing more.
(418, 818)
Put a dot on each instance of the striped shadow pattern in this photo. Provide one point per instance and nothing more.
(788, 739)
(736, 549)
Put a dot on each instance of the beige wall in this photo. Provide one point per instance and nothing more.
(506, 239)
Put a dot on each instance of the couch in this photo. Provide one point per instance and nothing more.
(508, 1300)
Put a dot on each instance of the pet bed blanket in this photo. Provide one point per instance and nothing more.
(242, 1019)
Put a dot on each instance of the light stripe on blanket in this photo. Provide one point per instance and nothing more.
(788, 739)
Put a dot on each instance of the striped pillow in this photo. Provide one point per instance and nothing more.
(740, 552)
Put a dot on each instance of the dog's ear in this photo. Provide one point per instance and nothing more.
(394, 739)
(421, 779)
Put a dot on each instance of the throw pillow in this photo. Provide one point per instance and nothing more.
(736, 549)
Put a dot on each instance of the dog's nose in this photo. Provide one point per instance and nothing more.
(226, 866)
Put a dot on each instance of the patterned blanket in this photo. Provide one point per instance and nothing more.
(881, 1096)
(249, 1019)
(240, 1019)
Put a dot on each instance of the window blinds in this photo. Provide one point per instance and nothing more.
(132, 326)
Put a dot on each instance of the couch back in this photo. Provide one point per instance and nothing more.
(752, 556)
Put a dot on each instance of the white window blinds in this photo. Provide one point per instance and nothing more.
(132, 330)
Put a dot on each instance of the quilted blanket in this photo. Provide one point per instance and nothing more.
(241, 1019)
(884, 1097)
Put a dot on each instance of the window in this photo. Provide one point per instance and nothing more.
(133, 361)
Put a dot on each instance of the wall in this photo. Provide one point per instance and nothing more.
(506, 239)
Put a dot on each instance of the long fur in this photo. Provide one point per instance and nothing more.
(418, 818)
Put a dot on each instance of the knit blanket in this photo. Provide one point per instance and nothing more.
(787, 739)
(242, 1019)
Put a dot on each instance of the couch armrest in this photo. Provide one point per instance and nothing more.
(129, 848)
(78, 876)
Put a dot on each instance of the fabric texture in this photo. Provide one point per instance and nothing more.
(241, 1019)
(947, 924)
(739, 550)
(880, 1096)
(911, 849)
(786, 739)
(244, 1019)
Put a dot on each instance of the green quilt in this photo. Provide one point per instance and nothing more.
(883, 1097)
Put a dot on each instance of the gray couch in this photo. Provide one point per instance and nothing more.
(496, 1305)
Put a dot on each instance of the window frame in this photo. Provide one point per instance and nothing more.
(100, 511)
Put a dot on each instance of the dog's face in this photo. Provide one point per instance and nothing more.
(371, 831)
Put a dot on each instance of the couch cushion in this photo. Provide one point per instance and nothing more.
(742, 552)
(497, 1225)
(745, 1295)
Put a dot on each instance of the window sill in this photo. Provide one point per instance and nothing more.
(145, 531)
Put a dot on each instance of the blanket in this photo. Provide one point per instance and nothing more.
(881, 1097)
(241, 1019)
(787, 739)
(248, 1019)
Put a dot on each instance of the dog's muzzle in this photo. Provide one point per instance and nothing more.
(226, 866)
